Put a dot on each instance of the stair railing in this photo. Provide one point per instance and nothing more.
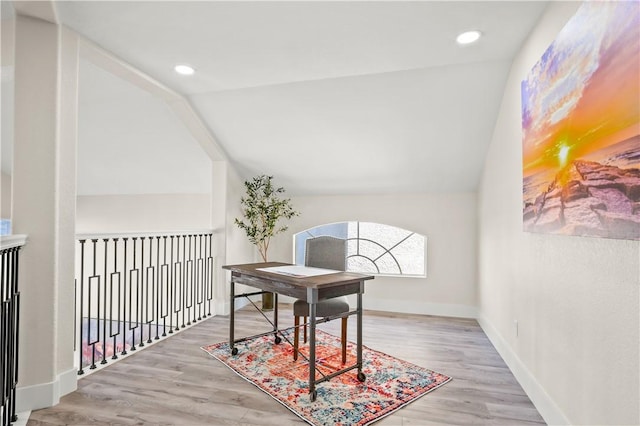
(133, 289)
(9, 324)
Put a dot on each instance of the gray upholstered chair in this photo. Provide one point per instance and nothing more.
(329, 253)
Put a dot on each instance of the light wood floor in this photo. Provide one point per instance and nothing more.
(175, 382)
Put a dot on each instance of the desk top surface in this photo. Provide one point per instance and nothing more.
(256, 270)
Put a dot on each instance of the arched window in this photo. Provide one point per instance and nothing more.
(373, 248)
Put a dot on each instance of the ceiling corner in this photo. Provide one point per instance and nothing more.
(41, 9)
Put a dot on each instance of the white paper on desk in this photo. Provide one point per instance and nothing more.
(299, 271)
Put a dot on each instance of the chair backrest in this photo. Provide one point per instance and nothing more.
(326, 252)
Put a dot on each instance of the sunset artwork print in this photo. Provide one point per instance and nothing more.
(581, 127)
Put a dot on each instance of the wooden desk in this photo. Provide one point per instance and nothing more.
(312, 289)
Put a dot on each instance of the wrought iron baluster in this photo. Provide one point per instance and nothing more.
(16, 332)
(143, 314)
(194, 277)
(124, 300)
(104, 317)
(190, 283)
(151, 274)
(4, 341)
(149, 318)
(165, 287)
(9, 333)
(171, 276)
(131, 304)
(115, 273)
(172, 294)
(184, 280)
(200, 278)
(179, 284)
(92, 342)
(157, 286)
(5, 375)
(210, 273)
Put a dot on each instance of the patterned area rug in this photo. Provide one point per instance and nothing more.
(390, 382)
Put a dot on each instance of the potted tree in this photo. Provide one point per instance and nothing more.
(262, 208)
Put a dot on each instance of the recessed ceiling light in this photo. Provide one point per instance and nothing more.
(184, 69)
(468, 37)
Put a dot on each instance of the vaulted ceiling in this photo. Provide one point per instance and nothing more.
(332, 97)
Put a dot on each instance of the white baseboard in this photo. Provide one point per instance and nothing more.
(221, 307)
(46, 394)
(68, 381)
(421, 308)
(547, 408)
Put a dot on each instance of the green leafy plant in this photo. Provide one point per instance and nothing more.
(262, 208)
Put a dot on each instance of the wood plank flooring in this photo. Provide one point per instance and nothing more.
(175, 382)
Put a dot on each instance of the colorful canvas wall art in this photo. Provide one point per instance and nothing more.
(581, 127)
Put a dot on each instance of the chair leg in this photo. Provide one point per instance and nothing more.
(305, 329)
(344, 340)
(296, 337)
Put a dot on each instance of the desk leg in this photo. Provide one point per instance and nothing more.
(312, 351)
(277, 339)
(232, 298)
(361, 376)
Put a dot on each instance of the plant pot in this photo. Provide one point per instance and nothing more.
(267, 302)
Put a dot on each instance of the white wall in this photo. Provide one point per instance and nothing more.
(130, 141)
(142, 212)
(7, 83)
(576, 300)
(239, 249)
(447, 220)
(5, 200)
(7, 40)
